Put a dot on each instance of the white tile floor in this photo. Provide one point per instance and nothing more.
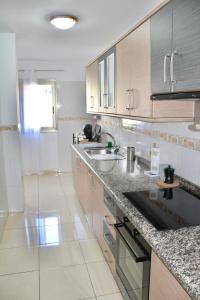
(49, 252)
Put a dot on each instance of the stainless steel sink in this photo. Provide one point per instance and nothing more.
(95, 151)
(103, 154)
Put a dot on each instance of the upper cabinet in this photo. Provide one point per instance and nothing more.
(133, 73)
(186, 45)
(175, 44)
(92, 87)
(107, 103)
(161, 55)
(161, 49)
(133, 57)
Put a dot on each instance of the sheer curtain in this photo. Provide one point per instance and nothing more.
(30, 126)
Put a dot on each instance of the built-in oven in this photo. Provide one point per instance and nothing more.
(132, 259)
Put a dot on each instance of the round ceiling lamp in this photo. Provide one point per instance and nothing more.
(63, 22)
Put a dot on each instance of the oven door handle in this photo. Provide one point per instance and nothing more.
(137, 259)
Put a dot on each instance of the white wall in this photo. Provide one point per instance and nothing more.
(3, 190)
(51, 151)
(10, 144)
(181, 148)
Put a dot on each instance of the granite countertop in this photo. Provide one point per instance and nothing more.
(178, 249)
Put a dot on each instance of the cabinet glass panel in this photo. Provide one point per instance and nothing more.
(102, 82)
(111, 79)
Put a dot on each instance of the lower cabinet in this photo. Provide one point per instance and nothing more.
(91, 196)
(163, 285)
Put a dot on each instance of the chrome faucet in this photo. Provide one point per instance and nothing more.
(116, 148)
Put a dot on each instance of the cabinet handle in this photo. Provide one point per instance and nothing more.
(128, 106)
(133, 102)
(108, 259)
(172, 67)
(107, 221)
(105, 102)
(92, 101)
(165, 67)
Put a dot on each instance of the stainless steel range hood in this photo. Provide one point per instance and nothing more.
(195, 95)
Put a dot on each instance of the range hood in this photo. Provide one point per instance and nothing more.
(195, 95)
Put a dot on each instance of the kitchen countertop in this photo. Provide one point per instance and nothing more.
(178, 249)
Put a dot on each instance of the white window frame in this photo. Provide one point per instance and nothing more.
(53, 83)
(54, 102)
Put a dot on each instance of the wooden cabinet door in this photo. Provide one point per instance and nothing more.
(99, 213)
(98, 209)
(92, 87)
(161, 48)
(89, 196)
(86, 193)
(82, 184)
(186, 44)
(163, 285)
(77, 173)
(133, 73)
(74, 170)
(88, 89)
(123, 75)
(140, 88)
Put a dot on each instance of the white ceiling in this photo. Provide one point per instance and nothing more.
(40, 45)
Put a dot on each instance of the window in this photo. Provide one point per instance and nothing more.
(38, 106)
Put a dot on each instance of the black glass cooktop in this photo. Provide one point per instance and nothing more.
(167, 208)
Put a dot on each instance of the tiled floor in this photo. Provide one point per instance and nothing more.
(49, 252)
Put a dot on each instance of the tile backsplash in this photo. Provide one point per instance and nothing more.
(179, 146)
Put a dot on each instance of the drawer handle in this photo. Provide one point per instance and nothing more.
(108, 238)
(108, 259)
(107, 221)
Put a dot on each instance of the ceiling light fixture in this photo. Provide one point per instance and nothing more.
(63, 22)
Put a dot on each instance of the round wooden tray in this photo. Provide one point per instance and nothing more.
(164, 185)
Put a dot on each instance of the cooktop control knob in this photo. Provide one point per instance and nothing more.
(125, 219)
(135, 232)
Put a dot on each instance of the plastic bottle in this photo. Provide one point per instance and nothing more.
(155, 159)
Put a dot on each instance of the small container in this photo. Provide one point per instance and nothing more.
(130, 153)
